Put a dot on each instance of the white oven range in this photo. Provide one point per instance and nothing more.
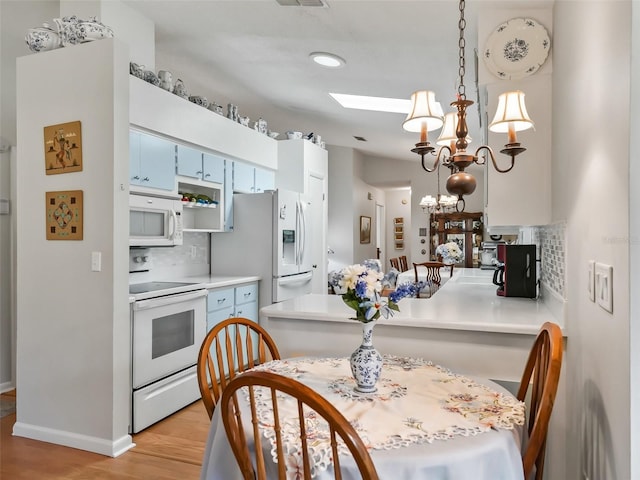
(169, 322)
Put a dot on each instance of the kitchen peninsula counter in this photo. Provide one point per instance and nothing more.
(463, 325)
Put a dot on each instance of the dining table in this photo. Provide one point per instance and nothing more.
(424, 422)
(410, 277)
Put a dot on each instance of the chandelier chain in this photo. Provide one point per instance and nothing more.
(462, 23)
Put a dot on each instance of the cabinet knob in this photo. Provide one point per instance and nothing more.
(221, 300)
(145, 179)
(247, 295)
(199, 172)
(239, 313)
(315, 266)
(137, 177)
(206, 175)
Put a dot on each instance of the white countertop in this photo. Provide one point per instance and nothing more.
(468, 301)
(217, 281)
(200, 282)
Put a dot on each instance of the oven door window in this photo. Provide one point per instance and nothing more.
(145, 223)
(172, 333)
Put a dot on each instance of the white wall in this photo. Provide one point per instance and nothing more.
(384, 171)
(591, 155)
(15, 19)
(73, 326)
(634, 253)
(396, 208)
(128, 26)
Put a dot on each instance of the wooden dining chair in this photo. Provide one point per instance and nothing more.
(404, 266)
(340, 431)
(232, 346)
(541, 374)
(433, 279)
(395, 263)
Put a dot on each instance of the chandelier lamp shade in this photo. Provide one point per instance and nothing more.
(426, 115)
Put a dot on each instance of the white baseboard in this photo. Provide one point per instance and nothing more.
(7, 386)
(74, 440)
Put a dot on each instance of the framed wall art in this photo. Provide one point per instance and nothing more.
(365, 229)
(64, 215)
(63, 148)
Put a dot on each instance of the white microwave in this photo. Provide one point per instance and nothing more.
(154, 221)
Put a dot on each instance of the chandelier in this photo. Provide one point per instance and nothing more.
(426, 115)
(439, 203)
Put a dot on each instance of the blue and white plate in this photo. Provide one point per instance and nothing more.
(516, 48)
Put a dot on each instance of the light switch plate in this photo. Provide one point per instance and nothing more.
(591, 280)
(604, 286)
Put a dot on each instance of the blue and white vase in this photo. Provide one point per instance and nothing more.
(366, 362)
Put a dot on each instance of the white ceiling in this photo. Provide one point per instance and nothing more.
(255, 54)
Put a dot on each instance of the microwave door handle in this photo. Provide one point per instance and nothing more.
(172, 224)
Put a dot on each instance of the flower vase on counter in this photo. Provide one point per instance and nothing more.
(366, 362)
(363, 285)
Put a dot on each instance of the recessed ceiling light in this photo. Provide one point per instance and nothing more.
(327, 59)
(378, 104)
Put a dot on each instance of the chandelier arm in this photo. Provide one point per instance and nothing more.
(437, 160)
(493, 159)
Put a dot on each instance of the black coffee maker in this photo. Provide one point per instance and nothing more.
(516, 272)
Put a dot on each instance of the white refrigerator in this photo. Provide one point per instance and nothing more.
(272, 237)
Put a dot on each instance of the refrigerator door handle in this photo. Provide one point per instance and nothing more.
(303, 233)
(295, 279)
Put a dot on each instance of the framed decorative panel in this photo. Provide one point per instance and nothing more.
(63, 148)
(64, 215)
(365, 229)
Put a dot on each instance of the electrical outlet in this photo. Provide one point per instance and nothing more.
(591, 280)
(604, 286)
(194, 251)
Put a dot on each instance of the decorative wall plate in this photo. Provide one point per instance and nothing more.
(516, 48)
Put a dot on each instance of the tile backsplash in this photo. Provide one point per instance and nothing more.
(552, 242)
(190, 258)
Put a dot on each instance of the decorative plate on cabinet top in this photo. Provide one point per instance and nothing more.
(516, 48)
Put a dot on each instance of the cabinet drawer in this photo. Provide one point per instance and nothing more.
(247, 293)
(248, 310)
(218, 299)
(218, 316)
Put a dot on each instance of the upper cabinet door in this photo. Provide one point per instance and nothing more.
(189, 162)
(212, 168)
(265, 180)
(157, 163)
(243, 178)
(134, 158)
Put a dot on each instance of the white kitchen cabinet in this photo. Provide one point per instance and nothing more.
(297, 161)
(152, 161)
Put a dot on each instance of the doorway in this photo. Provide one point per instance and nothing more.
(380, 229)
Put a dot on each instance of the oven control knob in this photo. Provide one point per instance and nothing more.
(138, 259)
(145, 258)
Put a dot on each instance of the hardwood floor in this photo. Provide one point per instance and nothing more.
(171, 449)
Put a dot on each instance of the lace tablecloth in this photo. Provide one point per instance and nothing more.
(423, 422)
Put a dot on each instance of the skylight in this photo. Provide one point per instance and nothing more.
(379, 104)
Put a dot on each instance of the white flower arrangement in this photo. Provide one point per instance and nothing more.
(450, 252)
(362, 286)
